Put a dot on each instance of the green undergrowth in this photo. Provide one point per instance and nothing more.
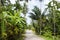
(22, 37)
(45, 38)
(50, 38)
(58, 37)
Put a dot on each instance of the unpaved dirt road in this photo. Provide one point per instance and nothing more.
(31, 36)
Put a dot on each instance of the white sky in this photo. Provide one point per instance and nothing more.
(31, 4)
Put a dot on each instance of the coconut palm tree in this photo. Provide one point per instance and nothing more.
(38, 17)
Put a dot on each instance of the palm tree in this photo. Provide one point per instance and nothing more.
(37, 16)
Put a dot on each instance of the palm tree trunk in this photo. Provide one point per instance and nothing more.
(54, 38)
(40, 24)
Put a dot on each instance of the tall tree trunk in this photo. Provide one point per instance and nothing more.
(54, 38)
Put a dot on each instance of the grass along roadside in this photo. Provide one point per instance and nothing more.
(50, 38)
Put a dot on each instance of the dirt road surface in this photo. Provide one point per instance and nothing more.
(31, 36)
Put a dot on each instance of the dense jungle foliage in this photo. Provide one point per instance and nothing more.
(47, 23)
(13, 25)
